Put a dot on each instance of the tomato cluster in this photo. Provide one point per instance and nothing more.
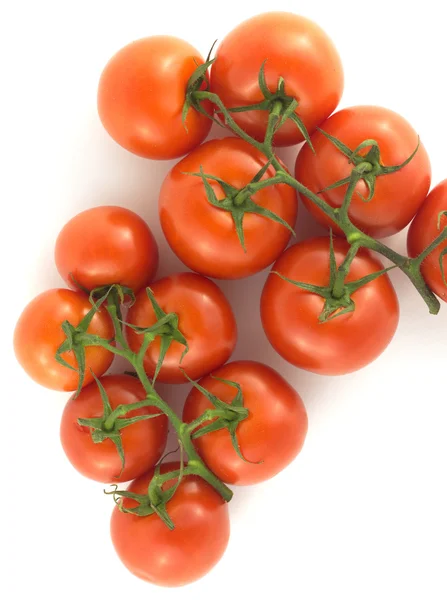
(228, 210)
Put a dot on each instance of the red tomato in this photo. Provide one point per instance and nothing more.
(143, 442)
(397, 195)
(423, 230)
(273, 433)
(141, 96)
(106, 245)
(173, 558)
(347, 342)
(294, 48)
(203, 236)
(205, 319)
(38, 335)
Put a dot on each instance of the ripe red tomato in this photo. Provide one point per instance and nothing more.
(294, 48)
(397, 195)
(347, 342)
(205, 319)
(423, 230)
(173, 558)
(143, 442)
(203, 236)
(38, 335)
(273, 433)
(106, 245)
(141, 95)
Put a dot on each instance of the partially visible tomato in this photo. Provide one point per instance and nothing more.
(423, 230)
(397, 195)
(105, 245)
(203, 236)
(173, 558)
(141, 95)
(273, 433)
(347, 342)
(295, 49)
(143, 442)
(205, 319)
(38, 335)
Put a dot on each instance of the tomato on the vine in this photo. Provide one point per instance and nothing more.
(38, 335)
(269, 438)
(426, 226)
(205, 319)
(347, 342)
(143, 442)
(173, 558)
(292, 47)
(141, 95)
(106, 245)
(397, 196)
(204, 236)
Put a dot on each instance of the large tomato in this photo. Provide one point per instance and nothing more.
(173, 558)
(143, 442)
(106, 245)
(295, 49)
(397, 195)
(204, 237)
(423, 230)
(141, 96)
(205, 320)
(343, 344)
(38, 335)
(273, 433)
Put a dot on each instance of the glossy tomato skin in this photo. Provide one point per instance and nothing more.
(343, 344)
(141, 95)
(105, 245)
(274, 432)
(38, 335)
(397, 196)
(173, 558)
(294, 48)
(423, 230)
(205, 319)
(204, 237)
(143, 442)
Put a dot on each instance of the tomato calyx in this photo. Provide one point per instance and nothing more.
(166, 328)
(156, 499)
(111, 423)
(368, 165)
(238, 202)
(278, 103)
(197, 82)
(222, 416)
(338, 293)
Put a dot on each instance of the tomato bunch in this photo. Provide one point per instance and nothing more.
(228, 210)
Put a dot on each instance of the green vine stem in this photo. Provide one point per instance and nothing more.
(339, 216)
(183, 431)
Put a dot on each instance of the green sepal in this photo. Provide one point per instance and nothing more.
(238, 211)
(368, 166)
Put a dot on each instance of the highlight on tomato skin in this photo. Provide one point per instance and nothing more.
(141, 94)
(106, 245)
(143, 442)
(203, 236)
(292, 47)
(38, 335)
(344, 344)
(174, 558)
(397, 196)
(426, 226)
(271, 436)
(205, 318)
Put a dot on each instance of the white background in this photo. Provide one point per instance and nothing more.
(362, 512)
